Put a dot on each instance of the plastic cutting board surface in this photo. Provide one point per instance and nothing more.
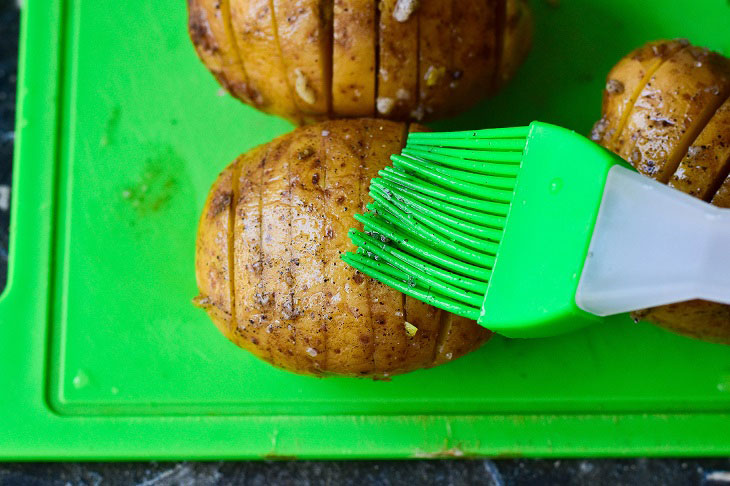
(121, 131)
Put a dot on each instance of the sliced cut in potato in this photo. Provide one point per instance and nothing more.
(397, 86)
(722, 196)
(708, 321)
(386, 304)
(212, 246)
(253, 25)
(673, 108)
(518, 31)
(296, 304)
(305, 35)
(251, 320)
(624, 84)
(353, 58)
(474, 43)
(707, 162)
(435, 56)
(350, 339)
(457, 331)
(209, 25)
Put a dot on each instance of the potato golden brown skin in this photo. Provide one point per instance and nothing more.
(678, 131)
(312, 60)
(268, 252)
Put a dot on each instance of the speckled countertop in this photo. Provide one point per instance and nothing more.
(704, 472)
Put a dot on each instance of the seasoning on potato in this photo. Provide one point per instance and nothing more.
(666, 109)
(268, 260)
(311, 60)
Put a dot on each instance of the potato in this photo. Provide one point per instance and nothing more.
(398, 67)
(253, 26)
(209, 27)
(674, 106)
(677, 131)
(268, 260)
(311, 60)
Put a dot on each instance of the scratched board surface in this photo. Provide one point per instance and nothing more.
(142, 129)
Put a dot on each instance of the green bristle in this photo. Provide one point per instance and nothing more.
(474, 190)
(422, 249)
(465, 218)
(426, 188)
(450, 287)
(438, 214)
(369, 267)
(478, 244)
(510, 132)
(406, 162)
(496, 144)
(507, 168)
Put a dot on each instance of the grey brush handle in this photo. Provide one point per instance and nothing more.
(653, 245)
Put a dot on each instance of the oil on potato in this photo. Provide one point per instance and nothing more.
(675, 127)
(268, 266)
(312, 60)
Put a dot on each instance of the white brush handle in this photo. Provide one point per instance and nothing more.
(654, 245)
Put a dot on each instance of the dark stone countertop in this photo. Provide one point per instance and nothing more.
(705, 472)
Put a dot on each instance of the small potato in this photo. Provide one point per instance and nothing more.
(268, 260)
(312, 60)
(678, 131)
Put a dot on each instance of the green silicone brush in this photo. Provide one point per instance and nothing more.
(535, 231)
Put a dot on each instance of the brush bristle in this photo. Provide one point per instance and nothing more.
(438, 214)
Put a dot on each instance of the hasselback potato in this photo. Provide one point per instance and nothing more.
(311, 60)
(666, 109)
(268, 266)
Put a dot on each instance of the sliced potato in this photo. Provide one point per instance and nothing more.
(212, 246)
(474, 43)
(722, 196)
(305, 35)
(518, 31)
(296, 304)
(699, 319)
(251, 323)
(435, 56)
(624, 84)
(253, 25)
(350, 336)
(209, 25)
(707, 162)
(353, 58)
(456, 333)
(673, 108)
(397, 87)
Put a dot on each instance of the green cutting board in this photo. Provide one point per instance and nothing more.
(121, 131)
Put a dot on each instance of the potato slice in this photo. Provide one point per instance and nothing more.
(474, 42)
(212, 270)
(435, 53)
(253, 25)
(456, 337)
(382, 139)
(350, 339)
(304, 29)
(624, 85)
(209, 25)
(251, 321)
(518, 31)
(397, 87)
(722, 196)
(673, 108)
(708, 321)
(707, 162)
(353, 58)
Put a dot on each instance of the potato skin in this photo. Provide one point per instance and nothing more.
(288, 206)
(676, 131)
(313, 60)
